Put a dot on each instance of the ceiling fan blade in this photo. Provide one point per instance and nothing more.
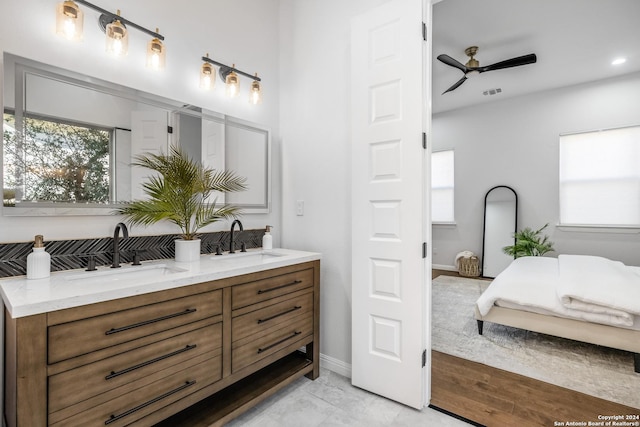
(456, 85)
(513, 62)
(452, 62)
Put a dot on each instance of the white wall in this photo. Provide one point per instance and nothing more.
(315, 124)
(515, 142)
(244, 32)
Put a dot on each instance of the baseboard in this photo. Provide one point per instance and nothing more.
(444, 267)
(335, 365)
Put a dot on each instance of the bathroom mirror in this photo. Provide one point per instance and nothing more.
(500, 224)
(69, 140)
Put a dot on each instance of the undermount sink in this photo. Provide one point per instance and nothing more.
(125, 273)
(248, 257)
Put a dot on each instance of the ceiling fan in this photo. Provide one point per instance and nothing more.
(472, 67)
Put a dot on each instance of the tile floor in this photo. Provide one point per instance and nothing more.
(331, 400)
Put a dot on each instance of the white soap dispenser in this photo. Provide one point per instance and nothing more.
(38, 261)
(267, 239)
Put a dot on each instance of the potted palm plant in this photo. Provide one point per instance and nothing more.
(529, 243)
(180, 192)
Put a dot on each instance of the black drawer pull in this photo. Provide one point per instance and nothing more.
(295, 282)
(114, 374)
(260, 350)
(148, 322)
(114, 418)
(266, 319)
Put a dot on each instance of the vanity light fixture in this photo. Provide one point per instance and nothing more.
(232, 82)
(69, 23)
(156, 56)
(231, 79)
(117, 37)
(207, 75)
(255, 92)
(69, 20)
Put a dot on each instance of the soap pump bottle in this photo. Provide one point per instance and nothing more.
(267, 239)
(38, 261)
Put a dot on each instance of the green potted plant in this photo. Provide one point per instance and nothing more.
(181, 192)
(529, 243)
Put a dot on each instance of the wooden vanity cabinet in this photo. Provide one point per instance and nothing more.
(197, 355)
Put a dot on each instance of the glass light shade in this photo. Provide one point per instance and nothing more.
(233, 84)
(255, 93)
(69, 20)
(117, 38)
(207, 76)
(156, 54)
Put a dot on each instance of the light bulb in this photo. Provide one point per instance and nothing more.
(69, 20)
(207, 76)
(156, 54)
(233, 83)
(117, 41)
(255, 93)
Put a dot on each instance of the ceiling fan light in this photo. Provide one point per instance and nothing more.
(69, 20)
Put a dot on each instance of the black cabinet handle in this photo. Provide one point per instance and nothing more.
(148, 322)
(263, 349)
(114, 374)
(266, 319)
(114, 418)
(295, 282)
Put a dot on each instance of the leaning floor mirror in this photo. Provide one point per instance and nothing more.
(500, 224)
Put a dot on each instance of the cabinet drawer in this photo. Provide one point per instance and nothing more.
(258, 321)
(129, 407)
(257, 347)
(76, 385)
(83, 336)
(262, 290)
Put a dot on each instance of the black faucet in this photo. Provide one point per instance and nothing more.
(233, 224)
(116, 243)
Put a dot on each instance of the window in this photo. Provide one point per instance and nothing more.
(442, 187)
(600, 178)
(55, 161)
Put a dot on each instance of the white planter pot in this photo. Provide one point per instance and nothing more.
(187, 250)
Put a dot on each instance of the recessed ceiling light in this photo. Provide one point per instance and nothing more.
(619, 61)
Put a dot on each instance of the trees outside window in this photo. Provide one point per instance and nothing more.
(55, 162)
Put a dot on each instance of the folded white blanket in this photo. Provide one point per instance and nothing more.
(599, 286)
(527, 281)
(588, 288)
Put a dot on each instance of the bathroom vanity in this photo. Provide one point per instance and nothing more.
(168, 344)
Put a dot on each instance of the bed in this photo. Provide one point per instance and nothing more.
(584, 298)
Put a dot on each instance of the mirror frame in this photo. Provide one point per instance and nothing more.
(19, 67)
(484, 223)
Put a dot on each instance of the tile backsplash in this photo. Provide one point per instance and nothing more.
(71, 254)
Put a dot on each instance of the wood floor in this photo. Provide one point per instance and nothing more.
(494, 397)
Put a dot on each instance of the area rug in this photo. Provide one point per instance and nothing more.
(594, 370)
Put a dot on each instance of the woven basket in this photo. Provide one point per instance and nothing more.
(469, 267)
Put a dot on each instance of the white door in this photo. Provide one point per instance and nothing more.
(149, 134)
(389, 193)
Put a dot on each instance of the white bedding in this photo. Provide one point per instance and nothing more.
(587, 288)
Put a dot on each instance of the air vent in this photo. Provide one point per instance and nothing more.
(492, 91)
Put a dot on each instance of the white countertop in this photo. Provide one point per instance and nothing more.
(73, 288)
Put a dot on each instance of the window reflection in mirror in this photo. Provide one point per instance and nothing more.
(54, 161)
(69, 141)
